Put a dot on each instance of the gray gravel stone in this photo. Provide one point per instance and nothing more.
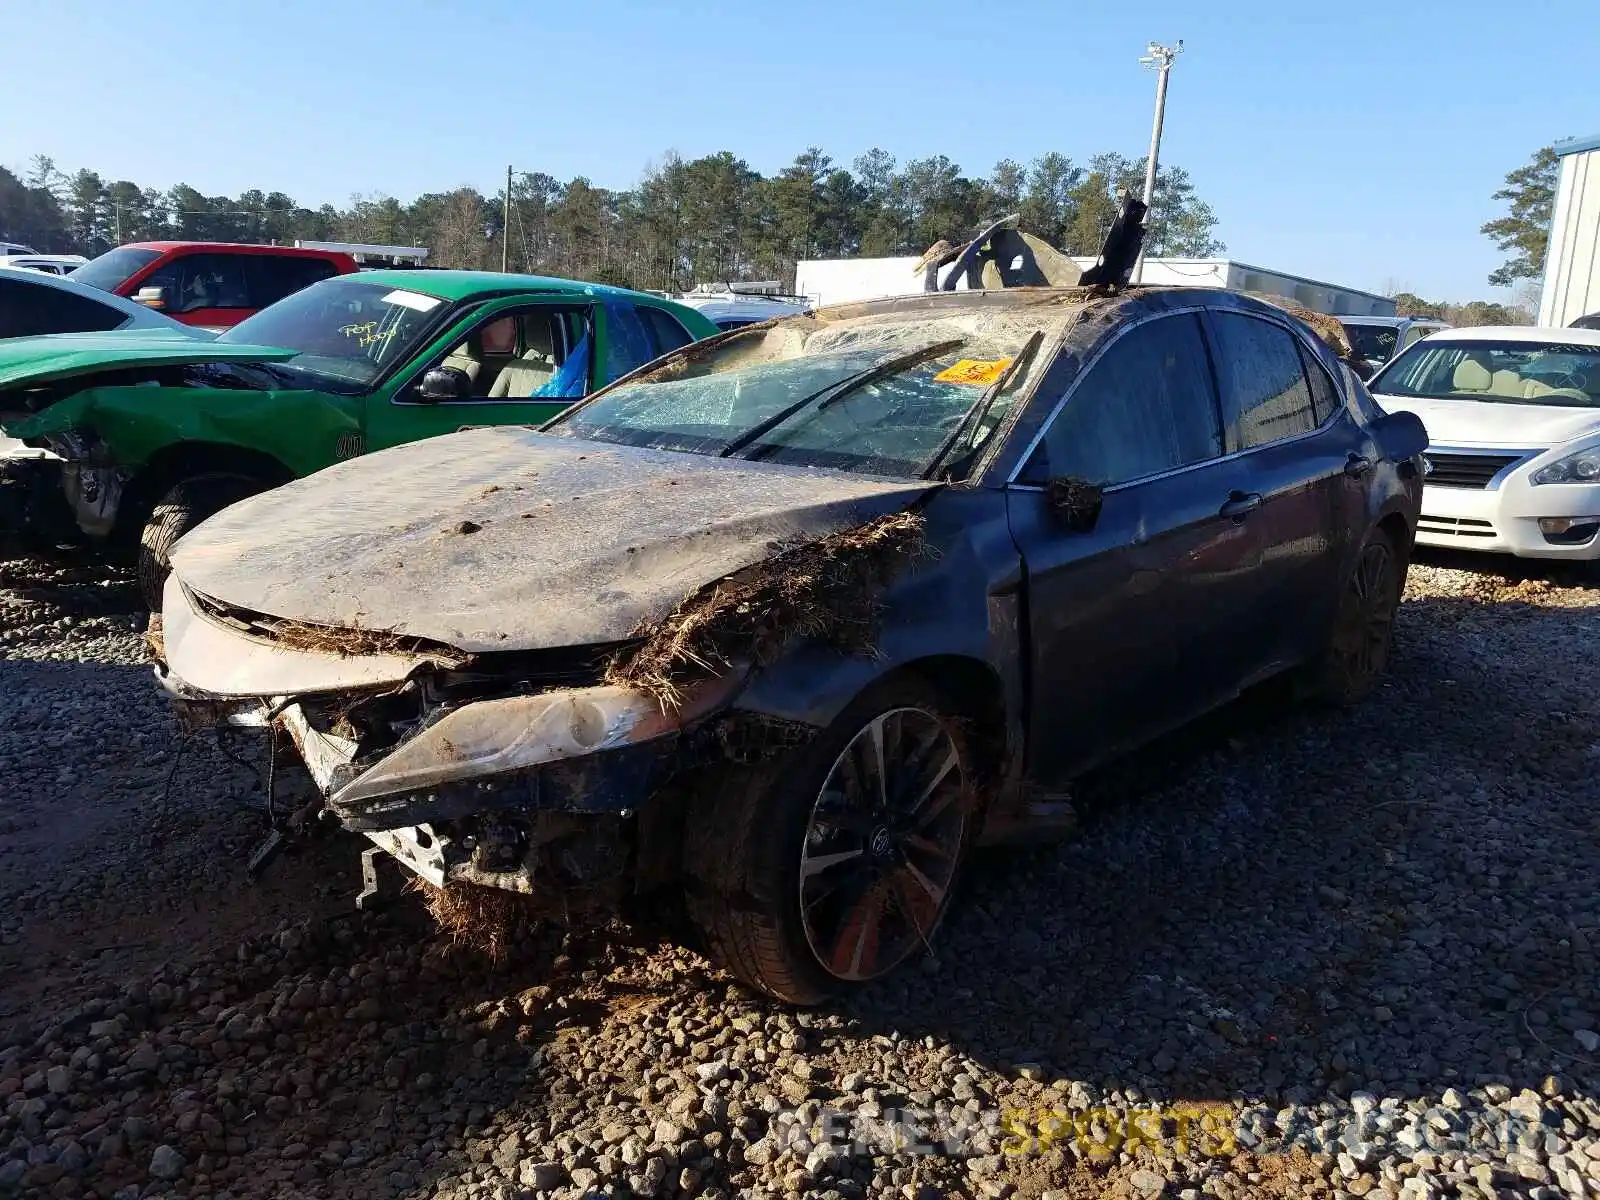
(281, 1043)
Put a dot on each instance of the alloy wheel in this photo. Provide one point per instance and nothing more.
(882, 844)
(1362, 645)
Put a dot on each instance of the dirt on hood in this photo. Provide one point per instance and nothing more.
(826, 589)
(506, 539)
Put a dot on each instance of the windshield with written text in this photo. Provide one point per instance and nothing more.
(347, 332)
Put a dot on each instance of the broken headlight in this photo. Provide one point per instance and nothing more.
(495, 737)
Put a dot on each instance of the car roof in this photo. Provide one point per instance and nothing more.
(143, 317)
(233, 247)
(1520, 333)
(465, 285)
(1394, 321)
(1055, 305)
(756, 308)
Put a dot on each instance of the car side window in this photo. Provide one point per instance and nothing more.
(199, 281)
(636, 334)
(1146, 406)
(272, 276)
(1325, 400)
(669, 335)
(28, 309)
(541, 352)
(630, 342)
(1265, 396)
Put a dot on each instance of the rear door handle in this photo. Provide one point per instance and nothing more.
(1356, 465)
(1240, 505)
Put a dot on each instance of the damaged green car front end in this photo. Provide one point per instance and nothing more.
(90, 414)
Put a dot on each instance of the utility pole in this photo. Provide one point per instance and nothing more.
(1157, 58)
(505, 226)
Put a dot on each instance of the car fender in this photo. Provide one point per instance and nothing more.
(954, 618)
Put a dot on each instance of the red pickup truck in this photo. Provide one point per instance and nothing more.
(214, 285)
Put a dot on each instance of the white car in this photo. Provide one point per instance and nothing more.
(1513, 417)
(50, 264)
(36, 302)
(735, 310)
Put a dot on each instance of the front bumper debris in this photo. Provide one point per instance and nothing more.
(33, 502)
(536, 794)
(62, 493)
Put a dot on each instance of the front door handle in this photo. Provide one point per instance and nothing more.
(1240, 505)
(1357, 465)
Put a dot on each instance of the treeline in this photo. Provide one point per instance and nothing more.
(688, 221)
(1474, 312)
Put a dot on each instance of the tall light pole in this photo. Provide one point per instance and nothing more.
(505, 226)
(1157, 58)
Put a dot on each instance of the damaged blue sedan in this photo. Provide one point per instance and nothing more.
(785, 622)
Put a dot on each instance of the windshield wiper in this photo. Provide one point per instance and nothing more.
(980, 406)
(827, 395)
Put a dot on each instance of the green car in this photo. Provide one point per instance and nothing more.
(132, 440)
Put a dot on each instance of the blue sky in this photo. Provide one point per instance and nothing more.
(1354, 142)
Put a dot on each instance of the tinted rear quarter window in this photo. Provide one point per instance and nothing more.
(1325, 398)
(1265, 397)
(1147, 405)
(28, 309)
(274, 276)
(667, 333)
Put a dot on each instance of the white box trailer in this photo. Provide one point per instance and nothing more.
(843, 280)
(1572, 261)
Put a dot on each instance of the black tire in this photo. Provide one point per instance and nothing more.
(1357, 654)
(178, 511)
(748, 829)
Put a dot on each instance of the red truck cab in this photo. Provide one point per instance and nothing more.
(214, 285)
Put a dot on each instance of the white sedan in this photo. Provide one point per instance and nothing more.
(1513, 417)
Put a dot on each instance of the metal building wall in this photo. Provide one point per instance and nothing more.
(1572, 263)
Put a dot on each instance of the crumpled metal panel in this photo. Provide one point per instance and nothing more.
(507, 539)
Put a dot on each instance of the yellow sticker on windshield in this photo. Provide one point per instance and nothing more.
(974, 370)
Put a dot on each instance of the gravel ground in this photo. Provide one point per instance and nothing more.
(1290, 953)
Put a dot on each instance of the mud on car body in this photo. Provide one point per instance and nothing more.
(790, 619)
(145, 437)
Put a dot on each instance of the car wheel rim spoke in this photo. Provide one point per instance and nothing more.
(857, 944)
(1361, 644)
(882, 845)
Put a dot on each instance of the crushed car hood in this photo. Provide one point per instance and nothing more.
(27, 361)
(508, 539)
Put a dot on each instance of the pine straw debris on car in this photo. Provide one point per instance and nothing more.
(354, 641)
(826, 589)
(487, 919)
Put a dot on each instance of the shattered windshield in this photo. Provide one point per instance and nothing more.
(1375, 343)
(1563, 376)
(347, 332)
(881, 397)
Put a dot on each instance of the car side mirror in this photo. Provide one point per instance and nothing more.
(1074, 502)
(1401, 435)
(445, 383)
(151, 297)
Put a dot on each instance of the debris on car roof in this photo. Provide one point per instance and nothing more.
(1326, 327)
(1003, 256)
